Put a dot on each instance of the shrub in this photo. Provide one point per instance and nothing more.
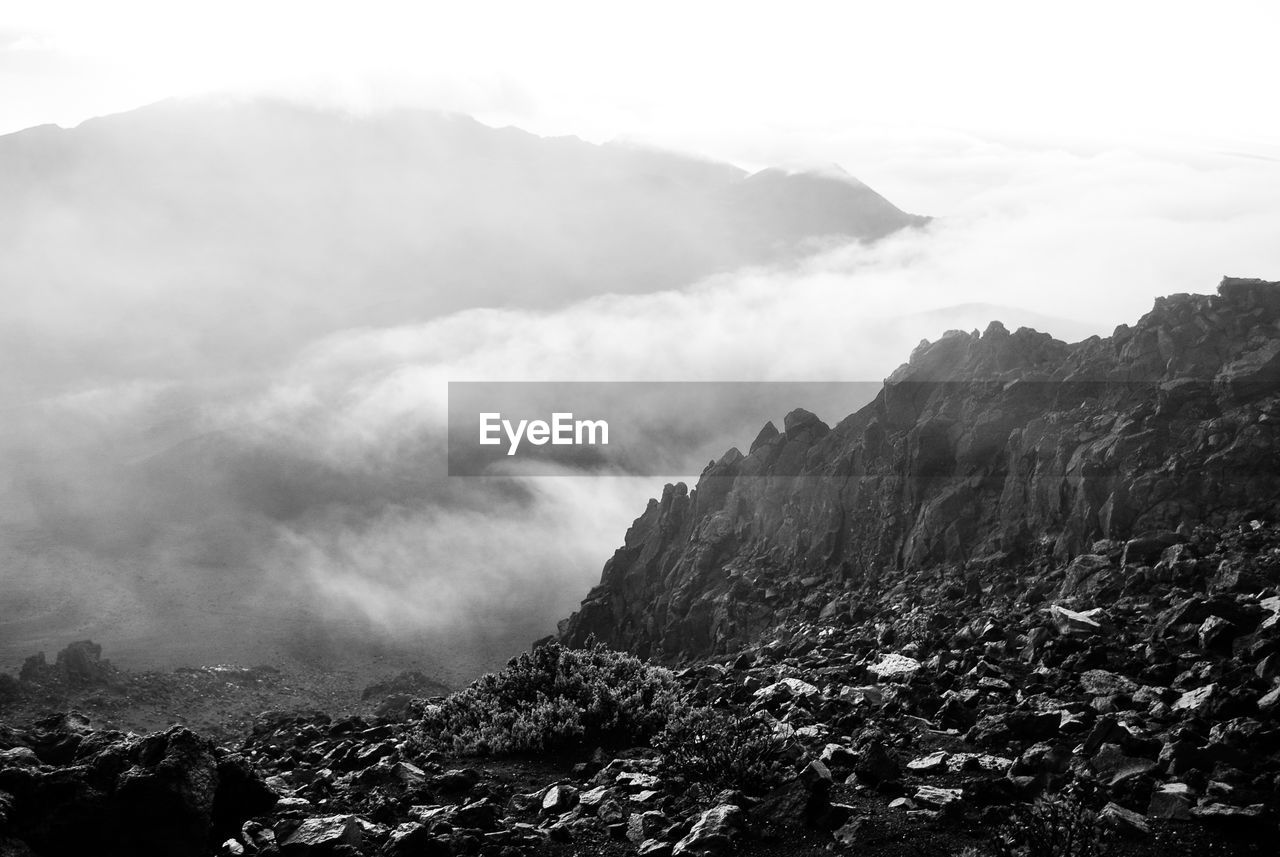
(1057, 826)
(555, 699)
(723, 750)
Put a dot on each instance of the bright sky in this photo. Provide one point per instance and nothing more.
(745, 81)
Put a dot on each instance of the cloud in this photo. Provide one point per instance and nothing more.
(318, 485)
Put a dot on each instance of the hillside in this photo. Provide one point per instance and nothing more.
(985, 451)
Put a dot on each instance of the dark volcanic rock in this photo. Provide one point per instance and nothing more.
(74, 790)
(713, 833)
(323, 835)
(983, 451)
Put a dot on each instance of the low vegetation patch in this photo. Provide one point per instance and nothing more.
(723, 750)
(556, 699)
(1061, 825)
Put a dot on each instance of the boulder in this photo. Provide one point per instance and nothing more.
(1106, 683)
(1112, 766)
(1077, 622)
(930, 763)
(1217, 634)
(323, 834)
(650, 825)
(1125, 822)
(894, 667)
(937, 797)
(713, 833)
(1197, 701)
(1171, 802)
(786, 688)
(559, 799)
(877, 764)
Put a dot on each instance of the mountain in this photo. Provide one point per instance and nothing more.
(985, 451)
(231, 232)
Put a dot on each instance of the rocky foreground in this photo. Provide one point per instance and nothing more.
(1141, 677)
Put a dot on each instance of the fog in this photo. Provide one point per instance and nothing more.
(215, 452)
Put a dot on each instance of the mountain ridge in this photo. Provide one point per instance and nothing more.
(984, 450)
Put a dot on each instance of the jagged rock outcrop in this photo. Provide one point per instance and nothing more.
(984, 450)
(78, 665)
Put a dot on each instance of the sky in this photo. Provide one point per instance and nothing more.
(748, 82)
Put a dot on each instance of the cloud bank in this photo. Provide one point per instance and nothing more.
(315, 487)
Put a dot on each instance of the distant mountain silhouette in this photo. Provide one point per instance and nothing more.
(218, 230)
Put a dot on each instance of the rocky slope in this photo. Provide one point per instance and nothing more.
(922, 723)
(985, 451)
(1032, 592)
